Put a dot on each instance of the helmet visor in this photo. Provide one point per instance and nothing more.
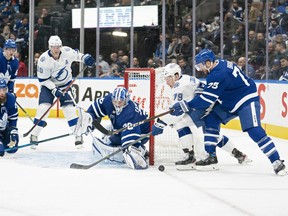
(199, 67)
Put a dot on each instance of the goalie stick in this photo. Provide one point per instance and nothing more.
(103, 130)
(57, 99)
(38, 142)
(81, 166)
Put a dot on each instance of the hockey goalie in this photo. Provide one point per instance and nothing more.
(123, 113)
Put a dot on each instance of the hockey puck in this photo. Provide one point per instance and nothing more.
(161, 168)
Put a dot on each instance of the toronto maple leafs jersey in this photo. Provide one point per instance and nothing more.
(8, 70)
(130, 114)
(57, 73)
(229, 85)
(8, 112)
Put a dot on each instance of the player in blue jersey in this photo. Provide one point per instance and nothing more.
(55, 74)
(122, 112)
(189, 125)
(8, 63)
(8, 120)
(233, 94)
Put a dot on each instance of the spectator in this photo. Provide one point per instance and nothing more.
(185, 68)
(242, 64)
(21, 24)
(6, 32)
(114, 58)
(280, 49)
(135, 63)
(36, 57)
(104, 65)
(237, 11)
(158, 51)
(173, 49)
(284, 68)
(45, 16)
(185, 48)
(22, 69)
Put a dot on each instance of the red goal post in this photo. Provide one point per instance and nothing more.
(147, 87)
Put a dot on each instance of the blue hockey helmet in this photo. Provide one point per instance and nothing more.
(3, 83)
(10, 44)
(120, 98)
(203, 56)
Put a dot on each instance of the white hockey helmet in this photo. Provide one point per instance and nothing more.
(54, 40)
(172, 69)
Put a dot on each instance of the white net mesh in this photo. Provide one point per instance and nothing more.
(166, 146)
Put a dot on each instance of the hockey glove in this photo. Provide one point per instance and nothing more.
(158, 127)
(88, 60)
(180, 108)
(14, 138)
(57, 93)
(2, 152)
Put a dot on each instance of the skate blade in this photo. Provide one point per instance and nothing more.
(186, 167)
(282, 173)
(212, 167)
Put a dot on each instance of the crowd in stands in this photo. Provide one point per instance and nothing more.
(14, 24)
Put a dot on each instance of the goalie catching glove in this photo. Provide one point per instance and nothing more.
(158, 127)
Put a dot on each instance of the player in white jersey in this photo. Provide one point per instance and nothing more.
(54, 75)
(189, 125)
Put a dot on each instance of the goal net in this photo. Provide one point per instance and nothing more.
(147, 87)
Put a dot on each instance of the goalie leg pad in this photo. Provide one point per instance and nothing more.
(101, 149)
(84, 122)
(134, 158)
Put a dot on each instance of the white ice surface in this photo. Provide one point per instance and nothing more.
(40, 183)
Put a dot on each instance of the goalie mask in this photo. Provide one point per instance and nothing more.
(120, 98)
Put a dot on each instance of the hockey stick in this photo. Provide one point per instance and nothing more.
(27, 115)
(81, 166)
(103, 130)
(57, 99)
(35, 143)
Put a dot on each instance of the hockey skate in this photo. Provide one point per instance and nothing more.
(242, 158)
(279, 167)
(33, 140)
(188, 163)
(210, 163)
(79, 142)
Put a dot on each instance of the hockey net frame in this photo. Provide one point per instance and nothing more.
(156, 101)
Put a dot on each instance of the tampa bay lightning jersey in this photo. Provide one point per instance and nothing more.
(227, 83)
(183, 89)
(8, 70)
(130, 114)
(8, 112)
(58, 71)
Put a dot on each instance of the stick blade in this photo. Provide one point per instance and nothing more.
(78, 166)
